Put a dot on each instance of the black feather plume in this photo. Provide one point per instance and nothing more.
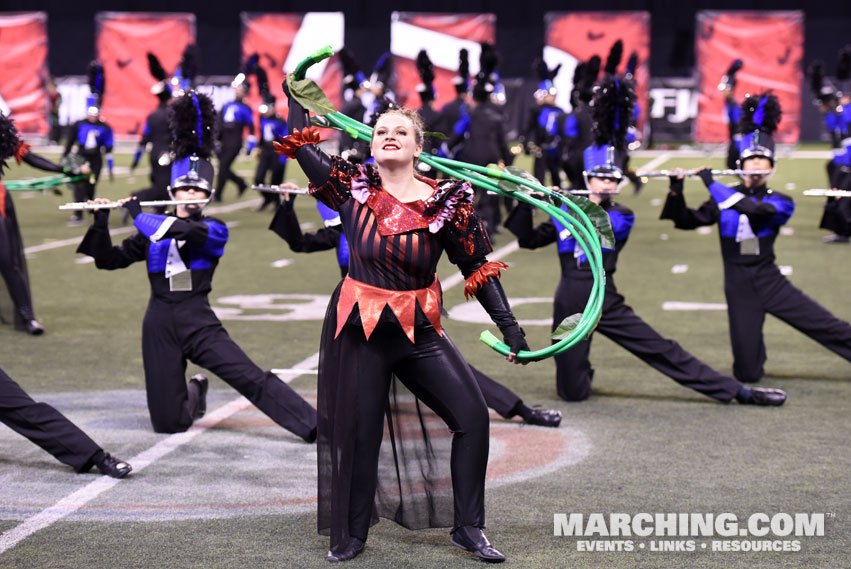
(760, 112)
(631, 65)
(189, 63)
(488, 59)
(734, 67)
(263, 84)
(156, 68)
(347, 60)
(425, 67)
(97, 81)
(464, 63)
(183, 122)
(9, 140)
(592, 69)
(816, 74)
(843, 65)
(614, 59)
(611, 110)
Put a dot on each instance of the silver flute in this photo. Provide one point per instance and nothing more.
(279, 190)
(828, 193)
(114, 205)
(668, 173)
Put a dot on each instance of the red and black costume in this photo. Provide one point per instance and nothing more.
(13, 265)
(383, 321)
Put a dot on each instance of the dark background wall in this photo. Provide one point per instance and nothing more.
(520, 28)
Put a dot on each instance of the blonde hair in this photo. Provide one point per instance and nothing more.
(411, 115)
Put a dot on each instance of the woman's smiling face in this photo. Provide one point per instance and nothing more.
(394, 140)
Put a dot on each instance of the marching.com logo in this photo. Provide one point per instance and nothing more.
(756, 532)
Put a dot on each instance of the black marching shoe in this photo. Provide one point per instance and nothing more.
(544, 417)
(473, 539)
(201, 384)
(765, 396)
(34, 328)
(113, 467)
(352, 550)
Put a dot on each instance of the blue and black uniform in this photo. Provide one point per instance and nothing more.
(837, 211)
(179, 325)
(91, 139)
(749, 220)
(46, 427)
(268, 161)
(618, 322)
(234, 118)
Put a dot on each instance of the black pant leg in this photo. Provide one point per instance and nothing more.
(170, 404)
(497, 396)
(226, 159)
(210, 347)
(573, 368)
(789, 304)
(746, 316)
(621, 325)
(45, 426)
(11, 267)
(440, 377)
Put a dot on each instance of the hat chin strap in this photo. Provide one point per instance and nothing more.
(209, 194)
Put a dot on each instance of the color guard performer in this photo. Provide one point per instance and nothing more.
(384, 320)
(13, 264)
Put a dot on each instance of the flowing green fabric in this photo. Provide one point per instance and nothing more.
(587, 222)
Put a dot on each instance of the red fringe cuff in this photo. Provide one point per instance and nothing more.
(296, 140)
(480, 277)
(22, 150)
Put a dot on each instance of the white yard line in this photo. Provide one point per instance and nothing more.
(76, 500)
(656, 162)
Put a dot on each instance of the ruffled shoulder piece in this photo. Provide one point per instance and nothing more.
(448, 196)
(367, 177)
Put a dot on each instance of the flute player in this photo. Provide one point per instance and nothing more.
(182, 251)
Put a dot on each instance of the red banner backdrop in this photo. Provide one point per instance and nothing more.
(442, 36)
(577, 36)
(23, 68)
(283, 40)
(123, 40)
(771, 47)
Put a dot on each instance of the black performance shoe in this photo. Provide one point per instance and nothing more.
(544, 417)
(473, 539)
(113, 467)
(201, 384)
(352, 550)
(765, 396)
(34, 328)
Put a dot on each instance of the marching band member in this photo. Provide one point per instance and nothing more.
(750, 216)
(182, 252)
(618, 322)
